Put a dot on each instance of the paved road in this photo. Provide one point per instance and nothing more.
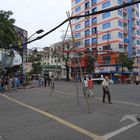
(32, 114)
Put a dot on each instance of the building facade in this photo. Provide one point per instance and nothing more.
(57, 59)
(107, 34)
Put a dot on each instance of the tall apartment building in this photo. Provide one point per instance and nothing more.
(109, 33)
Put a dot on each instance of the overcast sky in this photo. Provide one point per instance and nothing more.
(33, 15)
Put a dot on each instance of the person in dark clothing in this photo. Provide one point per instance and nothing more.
(45, 80)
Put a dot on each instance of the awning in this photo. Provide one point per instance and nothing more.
(51, 67)
(117, 74)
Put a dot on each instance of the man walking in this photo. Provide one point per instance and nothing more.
(90, 87)
(106, 91)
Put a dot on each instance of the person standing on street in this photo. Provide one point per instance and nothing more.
(90, 87)
(106, 91)
(85, 86)
(52, 81)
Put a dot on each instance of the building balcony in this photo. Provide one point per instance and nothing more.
(87, 45)
(94, 23)
(94, 44)
(87, 26)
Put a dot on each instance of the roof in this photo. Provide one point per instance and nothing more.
(51, 66)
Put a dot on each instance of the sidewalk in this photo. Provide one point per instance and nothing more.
(32, 84)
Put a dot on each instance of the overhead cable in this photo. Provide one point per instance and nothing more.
(86, 15)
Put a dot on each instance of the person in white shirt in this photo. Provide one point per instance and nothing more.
(85, 86)
(106, 91)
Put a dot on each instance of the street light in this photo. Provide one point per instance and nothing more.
(37, 32)
(25, 50)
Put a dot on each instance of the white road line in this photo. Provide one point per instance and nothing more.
(58, 119)
(115, 101)
(114, 133)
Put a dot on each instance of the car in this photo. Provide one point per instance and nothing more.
(98, 80)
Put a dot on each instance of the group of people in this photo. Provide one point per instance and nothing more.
(89, 86)
(46, 80)
(7, 82)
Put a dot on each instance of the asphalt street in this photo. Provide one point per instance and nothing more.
(63, 114)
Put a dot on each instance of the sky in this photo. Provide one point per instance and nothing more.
(33, 15)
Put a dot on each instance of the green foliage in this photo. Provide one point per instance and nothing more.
(36, 58)
(8, 34)
(90, 61)
(124, 61)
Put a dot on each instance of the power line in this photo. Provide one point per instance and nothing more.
(86, 15)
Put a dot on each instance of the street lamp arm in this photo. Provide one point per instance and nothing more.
(31, 36)
(37, 32)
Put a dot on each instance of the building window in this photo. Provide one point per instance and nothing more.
(94, 20)
(119, 1)
(121, 46)
(106, 15)
(93, 2)
(87, 5)
(87, 42)
(78, 9)
(77, 44)
(138, 32)
(106, 47)
(120, 12)
(138, 42)
(77, 1)
(94, 10)
(106, 4)
(137, 14)
(59, 60)
(106, 59)
(120, 23)
(77, 35)
(77, 26)
(87, 32)
(87, 23)
(137, 23)
(86, 13)
(106, 25)
(120, 35)
(94, 40)
(94, 30)
(106, 36)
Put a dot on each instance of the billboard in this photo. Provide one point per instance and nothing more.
(21, 45)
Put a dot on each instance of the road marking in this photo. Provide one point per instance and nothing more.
(114, 133)
(62, 121)
(115, 101)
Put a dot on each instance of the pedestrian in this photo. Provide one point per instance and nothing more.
(15, 82)
(85, 86)
(106, 91)
(52, 81)
(45, 80)
(90, 87)
(6, 83)
(1, 83)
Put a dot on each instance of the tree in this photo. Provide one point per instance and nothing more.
(66, 58)
(124, 61)
(36, 58)
(90, 61)
(8, 34)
